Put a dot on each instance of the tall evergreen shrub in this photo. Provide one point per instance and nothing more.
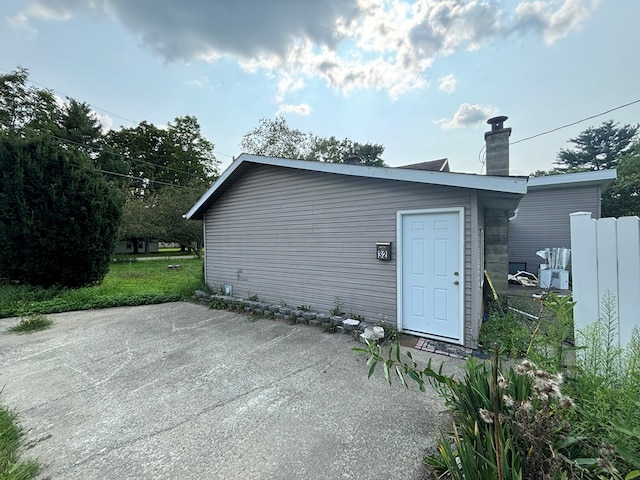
(58, 214)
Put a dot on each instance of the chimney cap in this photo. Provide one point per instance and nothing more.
(497, 123)
(353, 159)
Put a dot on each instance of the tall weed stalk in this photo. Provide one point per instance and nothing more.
(606, 378)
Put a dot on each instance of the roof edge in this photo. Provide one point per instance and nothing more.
(603, 177)
(514, 185)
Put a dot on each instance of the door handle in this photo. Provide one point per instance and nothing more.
(456, 282)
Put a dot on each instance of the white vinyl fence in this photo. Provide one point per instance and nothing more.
(605, 257)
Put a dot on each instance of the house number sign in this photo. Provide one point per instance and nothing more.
(383, 251)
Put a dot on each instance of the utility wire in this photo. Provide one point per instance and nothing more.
(115, 115)
(98, 150)
(132, 177)
(69, 97)
(576, 122)
(482, 154)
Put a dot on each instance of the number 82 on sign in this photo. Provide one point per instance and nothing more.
(383, 251)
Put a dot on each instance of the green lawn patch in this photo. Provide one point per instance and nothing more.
(11, 436)
(137, 283)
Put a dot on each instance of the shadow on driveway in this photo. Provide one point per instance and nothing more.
(179, 391)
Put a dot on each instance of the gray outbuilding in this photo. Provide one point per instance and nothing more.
(542, 218)
(399, 245)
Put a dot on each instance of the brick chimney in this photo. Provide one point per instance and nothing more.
(496, 223)
(497, 147)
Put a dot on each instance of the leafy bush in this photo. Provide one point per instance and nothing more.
(509, 331)
(58, 214)
(546, 339)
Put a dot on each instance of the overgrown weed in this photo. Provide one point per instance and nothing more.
(31, 323)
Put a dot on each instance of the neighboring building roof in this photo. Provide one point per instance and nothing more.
(496, 192)
(441, 165)
(603, 178)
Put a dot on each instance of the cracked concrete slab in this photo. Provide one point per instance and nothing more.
(181, 391)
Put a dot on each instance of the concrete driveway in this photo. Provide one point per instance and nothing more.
(178, 391)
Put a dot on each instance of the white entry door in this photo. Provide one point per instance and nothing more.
(432, 284)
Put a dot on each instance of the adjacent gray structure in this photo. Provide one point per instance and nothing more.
(542, 218)
(404, 246)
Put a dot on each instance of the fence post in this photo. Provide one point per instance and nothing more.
(628, 276)
(584, 269)
(607, 259)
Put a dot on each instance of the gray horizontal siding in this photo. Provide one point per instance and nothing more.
(307, 237)
(543, 221)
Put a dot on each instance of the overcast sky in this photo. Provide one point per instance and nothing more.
(421, 77)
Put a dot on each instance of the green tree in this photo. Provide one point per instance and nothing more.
(622, 198)
(146, 150)
(598, 148)
(159, 157)
(276, 138)
(605, 147)
(80, 126)
(140, 220)
(193, 159)
(58, 214)
(337, 151)
(154, 164)
(24, 109)
(172, 204)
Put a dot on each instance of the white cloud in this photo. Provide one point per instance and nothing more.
(105, 120)
(448, 83)
(386, 45)
(20, 22)
(468, 116)
(541, 18)
(300, 109)
(288, 83)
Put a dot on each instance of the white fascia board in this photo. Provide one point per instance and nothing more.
(219, 181)
(573, 179)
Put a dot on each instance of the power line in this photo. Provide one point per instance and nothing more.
(69, 97)
(132, 177)
(102, 110)
(576, 122)
(225, 155)
(98, 150)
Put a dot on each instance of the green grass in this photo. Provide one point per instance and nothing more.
(11, 436)
(137, 283)
(31, 323)
(161, 253)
